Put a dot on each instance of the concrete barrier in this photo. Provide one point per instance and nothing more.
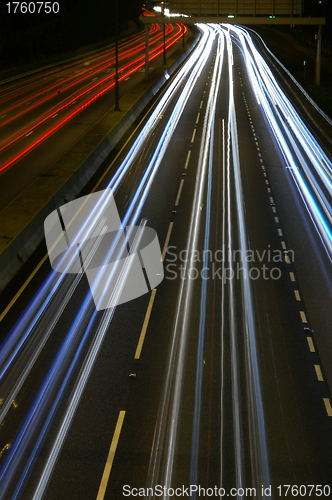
(22, 221)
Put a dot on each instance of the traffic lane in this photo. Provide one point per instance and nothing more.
(107, 170)
(125, 194)
(133, 452)
(38, 161)
(296, 410)
(312, 262)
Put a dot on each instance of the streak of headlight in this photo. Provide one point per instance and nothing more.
(258, 436)
(238, 445)
(206, 151)
(170, 401)
(320, 111)
(275, 104)
(14, 341)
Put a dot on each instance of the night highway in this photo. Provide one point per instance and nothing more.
(216, 382)
(45, 116)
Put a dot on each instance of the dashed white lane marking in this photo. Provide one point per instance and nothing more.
(283, 245)
(179, 193)
(319, 373)
(280, 232)
(297, 295)
(110, 458)
(328, 406)
(276, 220)
(187, 160)
(303, 317)
(170, 227)
(193, 136)
(145, 324)
(292, 277)
(287, 259)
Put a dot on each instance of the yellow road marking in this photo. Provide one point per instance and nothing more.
(187, 160)
(170, 227)
(303, 317)
(110, 458)
(311, 344)
(292, 277)
(145, 325)
(328, 406)
(179, 193)
(297, 295)
(25, 284)
(319, 373)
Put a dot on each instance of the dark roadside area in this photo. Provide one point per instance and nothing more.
(32, 65)
(292, 53)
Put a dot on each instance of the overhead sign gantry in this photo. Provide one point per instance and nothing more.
(243, 12)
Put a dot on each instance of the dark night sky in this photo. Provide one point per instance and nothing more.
(79, 23)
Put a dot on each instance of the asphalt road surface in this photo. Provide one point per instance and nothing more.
(218, 378)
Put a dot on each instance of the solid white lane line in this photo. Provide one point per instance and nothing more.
(170, 227)
(179, 193)
(145, 325)
(110, 458)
